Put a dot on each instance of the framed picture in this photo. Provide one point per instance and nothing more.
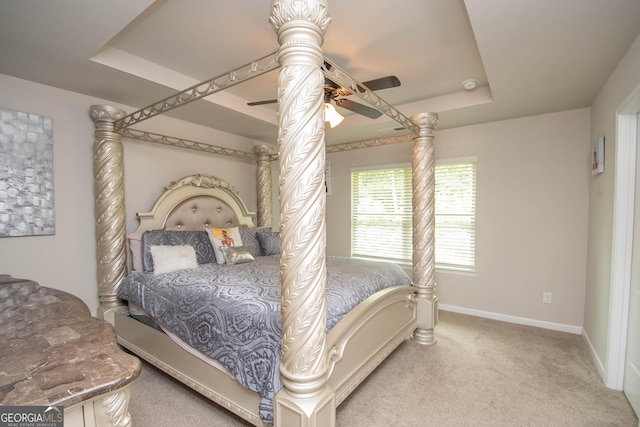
(26, 174)
(597, 156)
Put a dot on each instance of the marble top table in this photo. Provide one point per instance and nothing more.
(52, 351)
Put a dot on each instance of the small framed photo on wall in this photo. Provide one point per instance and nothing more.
(597, 156)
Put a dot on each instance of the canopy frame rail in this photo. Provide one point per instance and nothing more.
(171, 141)
(156, 138)
(246, 72)
(201, 90)
(340, 77)
(368, 143)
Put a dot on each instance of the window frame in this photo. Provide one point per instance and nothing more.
(458, 268)
(394, 166)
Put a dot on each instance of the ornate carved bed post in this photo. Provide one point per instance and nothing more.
(424, 228)
(108, 169)
(307, 399)
(263, 179)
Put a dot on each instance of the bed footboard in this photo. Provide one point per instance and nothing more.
(358, 344)
(367, 335)
(162, 352)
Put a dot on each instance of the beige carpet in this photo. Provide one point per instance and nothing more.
(480, 373)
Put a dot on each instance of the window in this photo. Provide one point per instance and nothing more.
(456, 215)
(381, 214)
(381, 222)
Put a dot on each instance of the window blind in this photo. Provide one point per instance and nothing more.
(455, 215)
(381, 214)
(381, 217)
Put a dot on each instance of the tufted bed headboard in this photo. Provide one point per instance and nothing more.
(193, 203)
(196, 202)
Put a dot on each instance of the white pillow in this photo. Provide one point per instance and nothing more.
(172, 258)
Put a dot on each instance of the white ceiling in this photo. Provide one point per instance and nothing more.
(529, 56)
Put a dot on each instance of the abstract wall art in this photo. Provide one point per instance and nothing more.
(26, 174)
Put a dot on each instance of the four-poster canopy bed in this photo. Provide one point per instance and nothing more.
(318, 369)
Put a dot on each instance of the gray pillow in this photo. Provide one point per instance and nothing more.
(249, 238)
(269, 242)
(198, 239)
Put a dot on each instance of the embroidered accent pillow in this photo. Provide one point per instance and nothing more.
(172, 258)
(223, 237)
(237, 254)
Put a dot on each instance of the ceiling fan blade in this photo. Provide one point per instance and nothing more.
(372, 113)
(375, 84)
(328, 84)
(382, 83)
(270, 101)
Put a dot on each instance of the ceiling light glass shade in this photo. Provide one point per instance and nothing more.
(331, 115)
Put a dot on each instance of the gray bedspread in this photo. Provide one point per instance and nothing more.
(232, 313)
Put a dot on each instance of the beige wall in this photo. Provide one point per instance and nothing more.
(149, 168)
(532, 200)
(66, 260)
(620, 84)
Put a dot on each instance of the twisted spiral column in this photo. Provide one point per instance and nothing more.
(263, 180)
(113, 409)
(300, 25)
(108, 168)
(423, 186)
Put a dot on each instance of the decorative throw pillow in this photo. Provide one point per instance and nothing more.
(135, 248)
(269, 242)
(199, 240)
(172, 258)
(223, 237)
(250, 239)
(237, 254)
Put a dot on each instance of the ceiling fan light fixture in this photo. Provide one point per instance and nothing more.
(331, 115)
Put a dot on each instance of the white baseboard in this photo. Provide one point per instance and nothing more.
(578, 330)
(595, 357)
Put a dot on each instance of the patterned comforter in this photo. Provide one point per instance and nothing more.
(232, 313)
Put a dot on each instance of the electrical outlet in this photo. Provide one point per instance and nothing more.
(546, 297)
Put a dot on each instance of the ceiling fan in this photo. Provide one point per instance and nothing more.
(334, 94)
